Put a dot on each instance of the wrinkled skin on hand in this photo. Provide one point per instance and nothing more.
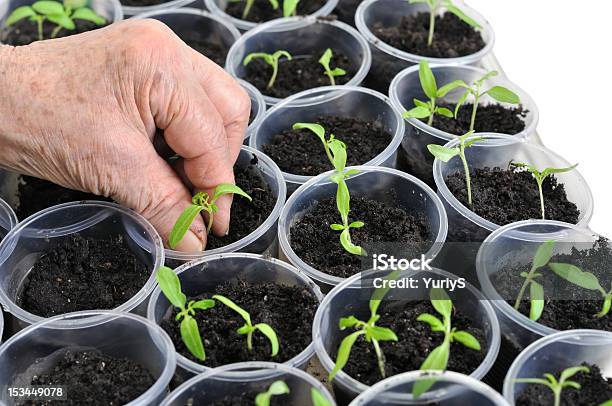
(82, 111)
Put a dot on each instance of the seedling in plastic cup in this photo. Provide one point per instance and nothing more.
(270, 59)
(557, 385)
(331, 73)
(536, 290)
(434, 6)
(276, 389)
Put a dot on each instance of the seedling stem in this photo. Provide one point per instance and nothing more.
(557, 386)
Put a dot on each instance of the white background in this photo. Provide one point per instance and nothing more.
(560, 52)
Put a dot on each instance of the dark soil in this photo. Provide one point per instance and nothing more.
(142, 3)
(505, 196)
(82, 274)
(301, 73)
(288, 309)
(212, 51)
(415, 342)
(24, 32)
(345, 11)
(247, 215)
(301, 152)
(262, 9)
(567, 306)
(248, 399)
(492, 118)
(318, 245)
(595, 389)
(452, 39)
(93, 378)
(37, 194)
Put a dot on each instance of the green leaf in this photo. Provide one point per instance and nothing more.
(337, 227)
(607, 403)
(444, 154)
(279, 54)
(379, 293)
(182, 225)
(317, 129)
(269, 59)
(337, 72)
(444, 90)
(543, 254)
(569, 372)
(357, 224)
(571, 384)
(170, 285)
(461, 100)
(435, 323)
(277, 388)
(19, 14)
(501, 94)
(441, 302)
(325, 59)
(605, 308)
(347, 244)
(228, 188)
(417, 112)
(318, 399)
(443, 111)
(62, 20)
(536, 295)
(573, 274)
(459, 13)
(382, 333)
(343, 200)
(487, 76)
(204, 304)
(344, 351)
(269, 332)
(74, 4)
(467, 340)
(48, 8)
(549, 171)
(290, 7)
(419, 103)
(88, 14)
(191, 337)
(348, 322)
(229, 303)
(338, 151)
(428, 80)
(437, 360)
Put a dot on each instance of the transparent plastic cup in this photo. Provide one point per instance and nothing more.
(246, 377)
(261, 241)
(406, 86)
(109, 9)
(388, 61)
(299, 36)
(39, 233)
(172, 4)
(412, 195)
(121, 335)
(346, 9)
(218, 7)
(8, 219)
(352, 296)
(450, 388)
(556, 352)
(206, 274)
(258, 108)
(309, 105)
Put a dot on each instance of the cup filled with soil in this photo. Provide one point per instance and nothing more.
(253, 223)
(404, 337)
(23, 21)
(8, 219)
(137, 7)
(401, 216)
(398, 33)
(487, 116)
(75, 257)
(261, 11)
(283, 57)
(258, 108)
(579, 358)
(95, 358)
(449, 389)
(269, 291)
(208, 34)
(346, 9)
(361, 118)
(241, 383)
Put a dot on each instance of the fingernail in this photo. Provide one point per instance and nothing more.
(190, 243)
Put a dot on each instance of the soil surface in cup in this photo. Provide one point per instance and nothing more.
(24, 32)
(567, 306)
(82, 273)
(94, 378)
(303, 72)
(289, 310)
(492, 118)
(37, 194)
(452, 38)
(301, 152)
(262, 10)
(206, 47)
(247, 215)
(505, 196)
(415, 343)
(311, 234)
(594, 390)
(248, 399)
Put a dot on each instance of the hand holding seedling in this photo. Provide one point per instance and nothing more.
(434, 7)
(557, 385)
(270, 59)
(325, 60)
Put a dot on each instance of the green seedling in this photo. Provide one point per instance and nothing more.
(249, 5)
(540, 176)
(557, 386)
(430, 87)
(276, 389)
(607, 403)
(318, 399)
(201, 202)
(373, 334)
(331, 73)
(434, 7)
(60, 14)
(270, 59)
(586, 280)
(290, 8)
(445, 154)
(248, 328)
(437, 360)
(336, 153)
(499, 93)
(170, 285)
(536, 290)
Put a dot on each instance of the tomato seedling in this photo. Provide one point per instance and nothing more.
(325, 60)
(435, 6)
(536, 290)
(277, 388)
(270, 59)
(557, 385)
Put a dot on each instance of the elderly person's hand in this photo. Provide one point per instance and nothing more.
(82, 111)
